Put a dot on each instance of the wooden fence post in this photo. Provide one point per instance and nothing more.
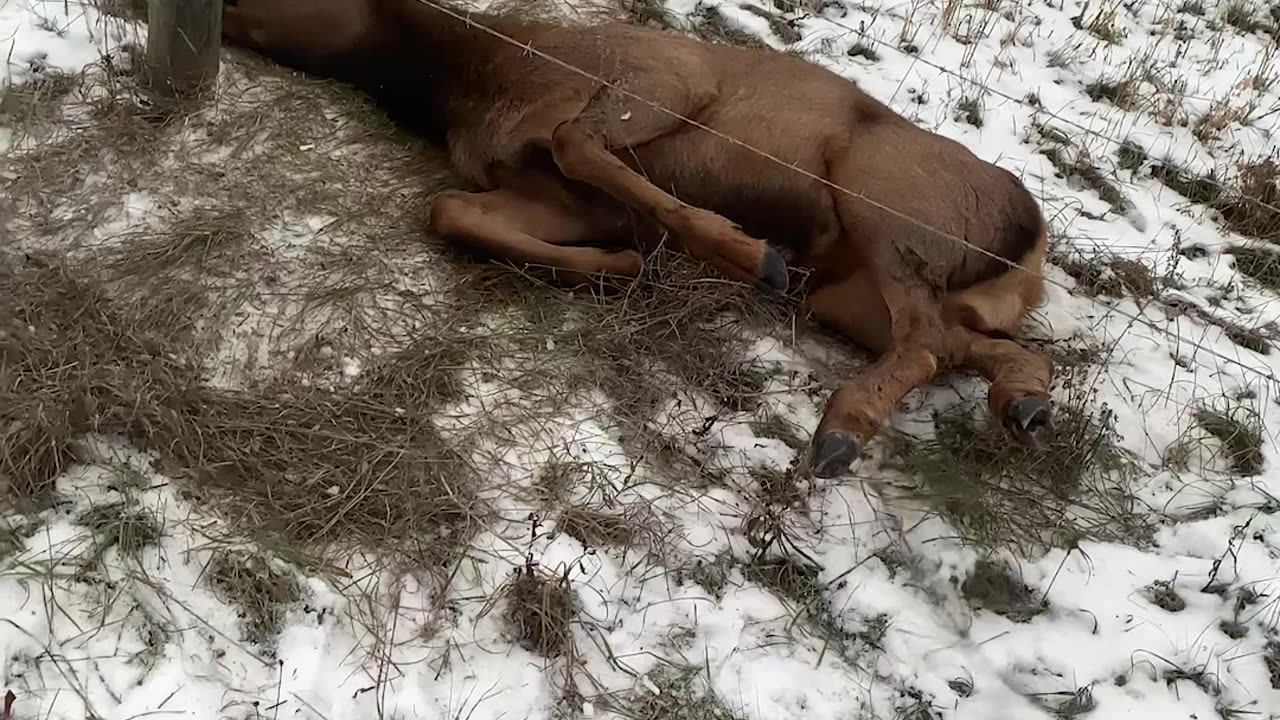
(184, 38)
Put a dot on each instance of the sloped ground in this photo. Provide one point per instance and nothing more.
(271, 449)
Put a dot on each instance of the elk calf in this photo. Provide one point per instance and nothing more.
(559, 160)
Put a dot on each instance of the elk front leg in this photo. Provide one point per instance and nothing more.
(705, 234)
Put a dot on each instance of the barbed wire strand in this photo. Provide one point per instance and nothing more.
(528, 47)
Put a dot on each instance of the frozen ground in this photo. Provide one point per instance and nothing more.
(684, 566)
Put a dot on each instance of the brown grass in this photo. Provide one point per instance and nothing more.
(997, 494)
(991, 586)
(260, 592)
(321, 468)
(1115, 277)
(540, 610)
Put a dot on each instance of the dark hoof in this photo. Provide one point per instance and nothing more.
(1030, 421)
(833, 453)
(773, 272)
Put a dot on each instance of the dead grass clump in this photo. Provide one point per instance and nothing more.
(634, 347)
(1251, 209)
(539, 610)
(1131, 157)
(117, 525)
(1203, 189)
(1073, 163)
(1104, 24)
(913, 705)
(51, 330)
(261, 593)
(1163, 595)
(324, 468)
(14, 533)
(1123, 93)
(1115, 277)
(1068, 705)
(712, 574)
(778, 25)
(37, 100)
(797, 582)
(594, 527)
(1271, 658)
(997, 494)
(991, 587)
(649, 12)
(1248, 207)
(674, 693)
(969, 110)
(1260, 263)
(1241, 15)
(709, 24)
(1238, 427)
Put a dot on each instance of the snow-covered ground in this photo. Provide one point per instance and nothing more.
(1183, 626)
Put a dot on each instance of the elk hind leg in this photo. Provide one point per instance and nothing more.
(895, 322)
(1018, 397)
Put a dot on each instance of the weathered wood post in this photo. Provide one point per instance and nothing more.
(184, 38)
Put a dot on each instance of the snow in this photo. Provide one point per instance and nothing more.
(72, 649)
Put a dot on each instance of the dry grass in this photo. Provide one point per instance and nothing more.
(674, 693)
(991, 586)
(1075, 164)
(117, 526)
(540, 610)
(1247, 206)
(1115, 277)
(595, 526)
(1260, 262)
(260, 592)
(997, 494)
(1238, 427)
(319, 467)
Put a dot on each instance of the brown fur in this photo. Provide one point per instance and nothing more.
(560, 160)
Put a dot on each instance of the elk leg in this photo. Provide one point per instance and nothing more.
(1019, 392)
(705, 234)
(895, 322)
(531, 229)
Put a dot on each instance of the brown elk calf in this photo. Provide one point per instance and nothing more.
(561, 160)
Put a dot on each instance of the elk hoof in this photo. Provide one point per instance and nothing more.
(773, 272)
(833, 453)
(1030, 421)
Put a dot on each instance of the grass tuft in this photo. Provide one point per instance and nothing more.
(1238, 427)
(1115, 277)
(127, 529)
(539, 610)
(672, 692)
(997, 494)
(992, 587)
(1163, 595)
(261, 593)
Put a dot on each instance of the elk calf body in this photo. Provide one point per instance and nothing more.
(562, 164)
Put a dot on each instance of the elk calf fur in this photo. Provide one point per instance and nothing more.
(563, 165)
